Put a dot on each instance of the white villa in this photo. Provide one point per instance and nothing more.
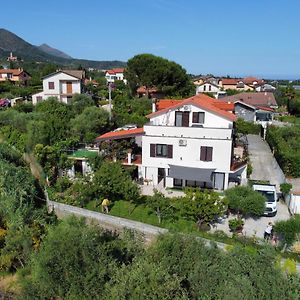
(115, 74)
(189, 143)
(61, 84)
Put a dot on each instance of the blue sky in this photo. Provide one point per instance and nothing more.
(235, 37)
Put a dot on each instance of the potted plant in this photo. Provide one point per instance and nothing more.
(236, 225)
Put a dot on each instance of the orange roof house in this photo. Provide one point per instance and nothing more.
(15, 75)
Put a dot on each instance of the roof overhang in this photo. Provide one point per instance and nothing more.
(189, 173)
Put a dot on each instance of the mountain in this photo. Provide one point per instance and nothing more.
(10, 42)
(52, 51)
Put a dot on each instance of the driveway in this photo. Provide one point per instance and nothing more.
(265, 167)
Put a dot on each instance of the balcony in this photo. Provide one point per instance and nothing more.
(188, 132)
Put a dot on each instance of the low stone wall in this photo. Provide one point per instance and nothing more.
(147, 232)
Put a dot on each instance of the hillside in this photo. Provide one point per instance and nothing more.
(52, 51)
(9, 42)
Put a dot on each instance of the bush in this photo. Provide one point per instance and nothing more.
(245, 127)
(288, 230)
(235, 224)
(245, 200)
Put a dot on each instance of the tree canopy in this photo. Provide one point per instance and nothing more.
(153, 71)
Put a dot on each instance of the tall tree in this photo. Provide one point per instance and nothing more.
(153, 71)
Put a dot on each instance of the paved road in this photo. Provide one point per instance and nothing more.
(265, 166)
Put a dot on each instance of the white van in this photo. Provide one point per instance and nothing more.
(269, 192)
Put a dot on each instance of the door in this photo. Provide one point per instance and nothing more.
(69, 88)
(161, 176)
(219, 181)
(182, 119)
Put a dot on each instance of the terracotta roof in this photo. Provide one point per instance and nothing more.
(224, 105)
(203, 101)
(142, 89)
(230, 81)
(115, 71)
(15, 72)
(263, 99)
(250, 80)
(114, 135)
(165, 103)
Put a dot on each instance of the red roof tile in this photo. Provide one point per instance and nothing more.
(15, 72)
(166, 103)
(230, 81)
(142, 90)
(224, 105)
(203, 101)
(115, 71)
(114, 135)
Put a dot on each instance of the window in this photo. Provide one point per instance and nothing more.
(51, 85)
(177, 182)
(198, 117)
(161, 150)
(209, 87)
(182, 119)
(206, 153)
(204, 88)
(39, 98)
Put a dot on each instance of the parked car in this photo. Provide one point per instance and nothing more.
(269, 192)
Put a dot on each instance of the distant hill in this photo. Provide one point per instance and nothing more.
(52, 51)
(9, 42)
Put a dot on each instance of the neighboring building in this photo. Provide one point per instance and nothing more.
(208, 87)
(265, 99)
(81, 165)
(17, 76)
(62, 84)
(151, 92)
(201, 79)
(265, 87)
(115, 74)
(234, 84)
(12, 58)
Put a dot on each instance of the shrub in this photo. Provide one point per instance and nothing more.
(236, 224)
(288, 229)
(245, 127)
(246, 201)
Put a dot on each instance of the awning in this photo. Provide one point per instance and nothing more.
(187, 173)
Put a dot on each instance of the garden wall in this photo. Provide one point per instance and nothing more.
(147, 232)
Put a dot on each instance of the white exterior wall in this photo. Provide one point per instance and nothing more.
(189, 155)
(60, 87)
(216, 133)
(207, 88)
(211, 119)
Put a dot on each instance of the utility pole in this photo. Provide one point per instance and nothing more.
(109, 100)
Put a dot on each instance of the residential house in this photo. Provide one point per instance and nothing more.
(187, 143)
(209, 87)
(254, 107)
(265, 87)
(234, 84)
(62, 84)
(115, 74)
(17, 76)
(12, 58)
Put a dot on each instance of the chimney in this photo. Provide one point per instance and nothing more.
(153, 105)
(129, 156)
